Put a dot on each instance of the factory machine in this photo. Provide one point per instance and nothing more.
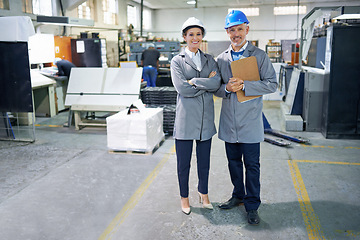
(167, 51)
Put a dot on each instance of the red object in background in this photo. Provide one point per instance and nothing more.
(295, 53)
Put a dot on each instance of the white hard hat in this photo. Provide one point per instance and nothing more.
(151, 45)
(192, 22)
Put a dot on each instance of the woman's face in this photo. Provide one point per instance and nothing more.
(193, 37)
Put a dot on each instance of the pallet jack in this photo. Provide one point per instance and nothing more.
(279, 138)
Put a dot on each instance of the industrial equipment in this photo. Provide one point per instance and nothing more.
(339, 109)
(89, 52)
(167, 51)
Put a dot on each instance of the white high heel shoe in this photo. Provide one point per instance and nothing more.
(185, 210)
(205, 205)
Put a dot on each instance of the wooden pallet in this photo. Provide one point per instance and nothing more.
(139, 152)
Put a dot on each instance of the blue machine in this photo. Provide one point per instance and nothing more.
(167, 51)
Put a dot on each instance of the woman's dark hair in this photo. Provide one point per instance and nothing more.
(193, 26)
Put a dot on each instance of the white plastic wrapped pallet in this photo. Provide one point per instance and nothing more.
(140, 131)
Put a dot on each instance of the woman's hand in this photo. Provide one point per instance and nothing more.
(235, 84)
(212, 74)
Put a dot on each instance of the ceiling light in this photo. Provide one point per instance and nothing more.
(191, 2)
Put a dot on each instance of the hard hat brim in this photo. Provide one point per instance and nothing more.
(235, 23)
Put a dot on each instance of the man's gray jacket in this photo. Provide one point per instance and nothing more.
(241, 122)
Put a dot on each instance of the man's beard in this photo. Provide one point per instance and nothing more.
(238, 44)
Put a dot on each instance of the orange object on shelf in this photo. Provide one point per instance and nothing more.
(295, 54)
(63, 47)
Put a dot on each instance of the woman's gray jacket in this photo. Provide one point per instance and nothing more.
(195, 105)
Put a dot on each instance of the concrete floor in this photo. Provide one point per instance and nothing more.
(67, 185)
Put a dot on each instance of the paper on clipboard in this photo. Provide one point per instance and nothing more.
(246, 69)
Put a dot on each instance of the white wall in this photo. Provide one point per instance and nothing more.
(138, 8)
(262, 28)
(266, 26)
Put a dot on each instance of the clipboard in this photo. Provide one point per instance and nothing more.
(246, 69)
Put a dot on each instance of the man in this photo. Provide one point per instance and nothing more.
(64, 67)
(241, 124)
(150, 63)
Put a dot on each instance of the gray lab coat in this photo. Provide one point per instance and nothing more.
(195, 105)
(242, 122)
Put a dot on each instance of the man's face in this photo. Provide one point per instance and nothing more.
(237, 34)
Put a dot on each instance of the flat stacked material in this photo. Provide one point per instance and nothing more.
(165, 98)
(158, 95)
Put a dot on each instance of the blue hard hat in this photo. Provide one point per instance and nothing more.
(235, 17)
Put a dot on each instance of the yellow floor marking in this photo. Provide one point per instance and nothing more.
(311, 220)
(352, 147)
(315, 146)
(39, 125)
(348, 233)
(125, 211)
(332, 147)
(327, 162)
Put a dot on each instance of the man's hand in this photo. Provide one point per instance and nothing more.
(235, 84)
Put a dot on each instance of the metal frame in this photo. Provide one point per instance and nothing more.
(307, 21)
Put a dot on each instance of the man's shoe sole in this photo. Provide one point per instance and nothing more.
(231, 207)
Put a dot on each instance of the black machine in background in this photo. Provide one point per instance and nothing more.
(88, 52)
(15, 82)
(15, 91)
(316, 55)
(341, 102)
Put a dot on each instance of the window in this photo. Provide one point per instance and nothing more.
(147, 19)
(4, 4)
(85, 10)
(109, 11)
(289, 10)
(27, 6)
(42, 7)
(131, 15)
(248, 11)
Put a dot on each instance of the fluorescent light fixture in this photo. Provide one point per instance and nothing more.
(191, 2)
(289, 10)
(348, 16)
(248, 11)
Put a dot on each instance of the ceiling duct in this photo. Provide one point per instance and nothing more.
(64, 21)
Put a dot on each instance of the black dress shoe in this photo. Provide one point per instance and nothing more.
(232, 202)
(253, 217)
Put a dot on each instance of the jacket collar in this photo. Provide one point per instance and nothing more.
(247, 53)
(190, 62)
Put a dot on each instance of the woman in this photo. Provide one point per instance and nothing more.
(195, 78)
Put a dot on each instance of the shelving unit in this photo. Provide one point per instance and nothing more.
(274, 52)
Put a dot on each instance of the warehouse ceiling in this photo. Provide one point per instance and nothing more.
(170, 4)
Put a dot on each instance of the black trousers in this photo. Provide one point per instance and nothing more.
(183, 153)
(248, 155)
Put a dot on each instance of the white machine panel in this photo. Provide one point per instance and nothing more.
(86, 80)
(103, 86)
(123, 80)
(104, 100)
